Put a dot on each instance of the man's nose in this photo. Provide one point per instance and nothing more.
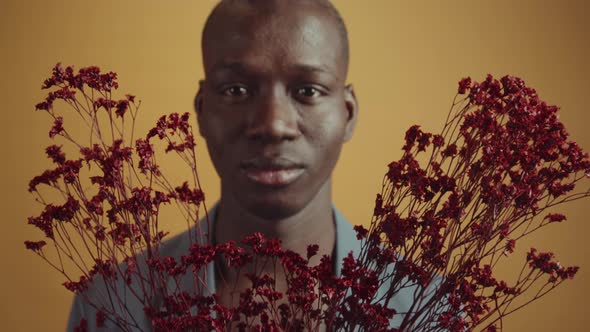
(274, 118)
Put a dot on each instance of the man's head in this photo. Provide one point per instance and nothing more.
(273, 108)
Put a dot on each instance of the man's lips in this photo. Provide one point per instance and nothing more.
(272, 172)
(280, 177)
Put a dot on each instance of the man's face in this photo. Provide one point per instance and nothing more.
(274, 110)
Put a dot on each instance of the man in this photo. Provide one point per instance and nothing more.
(275, 110)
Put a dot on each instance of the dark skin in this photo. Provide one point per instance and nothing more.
(275, 111)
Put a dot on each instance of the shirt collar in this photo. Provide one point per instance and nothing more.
(346, 242)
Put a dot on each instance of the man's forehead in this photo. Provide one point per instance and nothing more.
(308, 44)
(298, 31)
(238, 28)
(248, 68)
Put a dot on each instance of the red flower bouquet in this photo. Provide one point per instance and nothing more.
(450, 210)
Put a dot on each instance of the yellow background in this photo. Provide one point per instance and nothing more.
(406, 60)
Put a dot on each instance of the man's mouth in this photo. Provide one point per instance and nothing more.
(272, 172)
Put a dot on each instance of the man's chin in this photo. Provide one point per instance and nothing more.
(273, 203)
(274, 209)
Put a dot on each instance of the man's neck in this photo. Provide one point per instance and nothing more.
(314, 224)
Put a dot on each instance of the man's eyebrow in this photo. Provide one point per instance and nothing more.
(323, 70)
(230, 66)
(241, 68)
(312, 68)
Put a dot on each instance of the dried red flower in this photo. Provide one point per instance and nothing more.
(35, 245)
(438, 227)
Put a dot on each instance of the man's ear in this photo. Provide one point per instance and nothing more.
(352, 107)
(198, 104)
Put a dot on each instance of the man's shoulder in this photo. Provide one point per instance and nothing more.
(346, 239)
(100, 291)
(179, 244)
(198, 233)
(347, 242)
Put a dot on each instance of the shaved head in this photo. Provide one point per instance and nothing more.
(228, 12)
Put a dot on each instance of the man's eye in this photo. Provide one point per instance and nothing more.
(308, 92)
(235, 91)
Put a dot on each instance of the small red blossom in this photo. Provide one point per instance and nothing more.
(185, 194)
(122, 107)
(57, 77)
(44, 106)
(44, 223)
(555, 217)
(438, 140)
(312, 250)
(54, 153)
(57, 127)
(36, 246)
(49, 177)
(361, 232)
(101, 318)
(107, 104)
(79, 286)
(510, 245)
(82, 326)
(95, 153)
(65, 93)
(464, 84)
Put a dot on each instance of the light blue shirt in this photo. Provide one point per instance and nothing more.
(346, 242)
